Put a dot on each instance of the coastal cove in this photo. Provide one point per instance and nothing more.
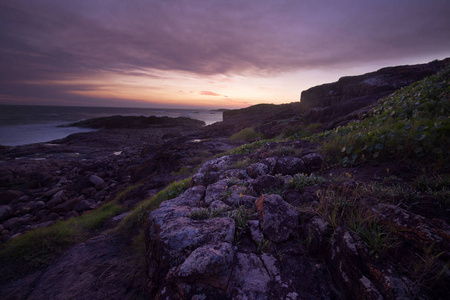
(21, 125)
(304, 200)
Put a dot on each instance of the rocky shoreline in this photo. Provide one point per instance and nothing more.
(45, 182)
(273, 219)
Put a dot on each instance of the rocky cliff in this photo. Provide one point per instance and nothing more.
(331, 101)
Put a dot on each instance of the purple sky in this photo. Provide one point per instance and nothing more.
(205, 53)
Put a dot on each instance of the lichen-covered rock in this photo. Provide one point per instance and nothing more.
(278, 220)
(208, 264)
(257, 169)
(191, 197)
(215, 192)
(250, 278)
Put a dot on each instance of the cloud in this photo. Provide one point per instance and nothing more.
(67, 40)
(208, 93)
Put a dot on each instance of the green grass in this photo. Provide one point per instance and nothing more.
(139, 214)
(246, 135)
(37, 246)
(301, 180)
(411, 124)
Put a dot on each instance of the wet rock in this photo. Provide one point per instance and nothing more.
(278, 220)
(266, 183)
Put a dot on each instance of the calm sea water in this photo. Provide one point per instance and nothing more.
(20, 125)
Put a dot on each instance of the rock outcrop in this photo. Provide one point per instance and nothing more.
(215, 240)
(264, 232)
(333, 101)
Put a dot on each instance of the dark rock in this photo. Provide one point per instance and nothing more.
(345, 263)
(330, 101)
(8, 196)
(71, 214)
(43, 224)
(257, 169)
(96, 181)
(57, 198)
(42, 214)
(13, 223)
(65, 207)
(51, 192)
(5, 212)
(27, 208)
(278, 220)
(317, 233)
(266, 183)
(137, 122)
(313, 162)
(83, 206)
(290, 166)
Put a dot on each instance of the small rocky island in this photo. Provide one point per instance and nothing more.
(343, 195)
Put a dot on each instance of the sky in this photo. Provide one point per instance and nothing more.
(205, 54)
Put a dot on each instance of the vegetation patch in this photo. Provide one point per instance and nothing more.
(35, 247)
(411, 124)
(247, 135)
(139, 214)
(301, 180)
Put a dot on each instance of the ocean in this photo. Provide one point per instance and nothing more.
(21, 125)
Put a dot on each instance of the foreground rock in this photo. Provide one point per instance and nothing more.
(195, 256)
(263, 232)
